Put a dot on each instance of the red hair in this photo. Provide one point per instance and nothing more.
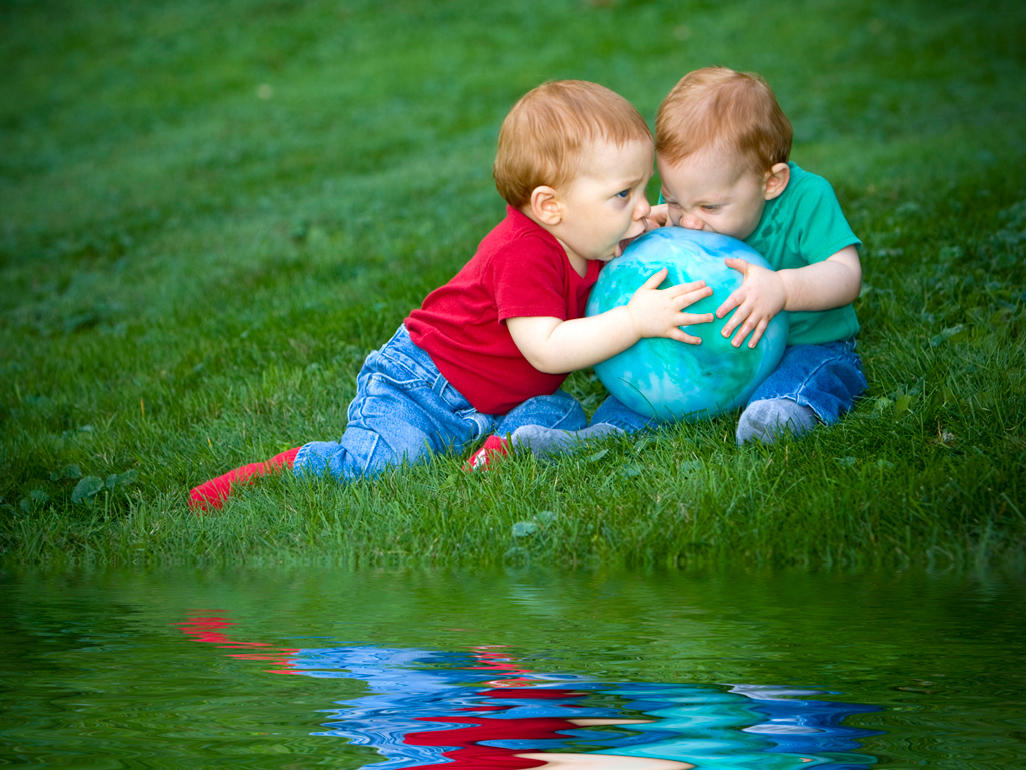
(543, 137)
(735, 111)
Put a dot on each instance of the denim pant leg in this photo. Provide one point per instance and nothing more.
(404, 410)
(825, 378)
(614, 412)
(559, 410)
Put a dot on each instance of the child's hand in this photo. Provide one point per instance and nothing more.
(760, 297)
(658, 312)
(658, 217)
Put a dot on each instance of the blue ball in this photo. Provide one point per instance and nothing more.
(667, 379)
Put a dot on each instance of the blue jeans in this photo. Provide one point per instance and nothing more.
(405, 410)
(825, 378)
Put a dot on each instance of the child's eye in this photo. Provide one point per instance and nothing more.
(624, 193)
(710, 207)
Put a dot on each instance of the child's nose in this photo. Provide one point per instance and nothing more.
(691, 222)
(643, 209)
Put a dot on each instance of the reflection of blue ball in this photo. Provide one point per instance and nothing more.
(663, 378)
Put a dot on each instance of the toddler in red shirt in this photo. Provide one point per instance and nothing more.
(487, 352)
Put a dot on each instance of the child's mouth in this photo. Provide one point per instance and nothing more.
(625, 242)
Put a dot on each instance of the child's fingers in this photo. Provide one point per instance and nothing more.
(745, 323)
(739, 339)
(658, 217)
(738, 264)
(690, 293)
(732, 301)
(734, 323)
(680, 335)
(750, 326)
(655, 279)
(693, 319)
(691, 286)
(757, 334)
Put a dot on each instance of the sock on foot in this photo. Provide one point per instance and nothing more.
(546, 442)
(769, 419)
(213, 493)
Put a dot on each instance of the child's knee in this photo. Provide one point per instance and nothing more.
(359, 453)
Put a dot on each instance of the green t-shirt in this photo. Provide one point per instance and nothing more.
(799, 227)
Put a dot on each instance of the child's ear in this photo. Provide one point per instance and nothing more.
(776, 180)
(545, 206)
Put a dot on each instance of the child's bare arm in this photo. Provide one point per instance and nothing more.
(555, 346)
(820, 286)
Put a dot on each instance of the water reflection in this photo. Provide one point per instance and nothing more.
(482, 708)
(95, 670)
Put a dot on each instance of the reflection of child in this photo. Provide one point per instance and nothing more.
(722, 149)
(487, 352)
(430, 709)
(723, 145)
(422, 713)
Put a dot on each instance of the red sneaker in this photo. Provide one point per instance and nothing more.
(493, 448)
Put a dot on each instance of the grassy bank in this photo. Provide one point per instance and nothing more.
(212, 212)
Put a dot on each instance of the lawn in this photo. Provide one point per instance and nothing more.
(213, 212)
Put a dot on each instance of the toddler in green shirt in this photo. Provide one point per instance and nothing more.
(723, 146)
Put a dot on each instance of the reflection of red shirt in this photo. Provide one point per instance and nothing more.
(470, 754)
(467, 751)
(519, 270)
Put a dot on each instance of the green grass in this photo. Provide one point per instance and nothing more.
(212, 212)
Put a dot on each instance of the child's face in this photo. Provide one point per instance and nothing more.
(604, 206)
(714, 190)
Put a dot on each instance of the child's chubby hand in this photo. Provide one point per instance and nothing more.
(755, 302)
(657, 312)
(659, 216)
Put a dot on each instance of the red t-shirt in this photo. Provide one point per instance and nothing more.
(519, 270)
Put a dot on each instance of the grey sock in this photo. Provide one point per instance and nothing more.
(545, 442)
(769, 419)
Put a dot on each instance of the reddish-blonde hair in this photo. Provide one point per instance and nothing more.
(543, 137)
(719, 107)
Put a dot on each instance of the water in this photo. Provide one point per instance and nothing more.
(401, 669)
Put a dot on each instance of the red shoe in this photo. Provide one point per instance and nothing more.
(493, 448)
(213, 493)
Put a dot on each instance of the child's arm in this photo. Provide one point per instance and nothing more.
(820, 286)
(555, 346)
